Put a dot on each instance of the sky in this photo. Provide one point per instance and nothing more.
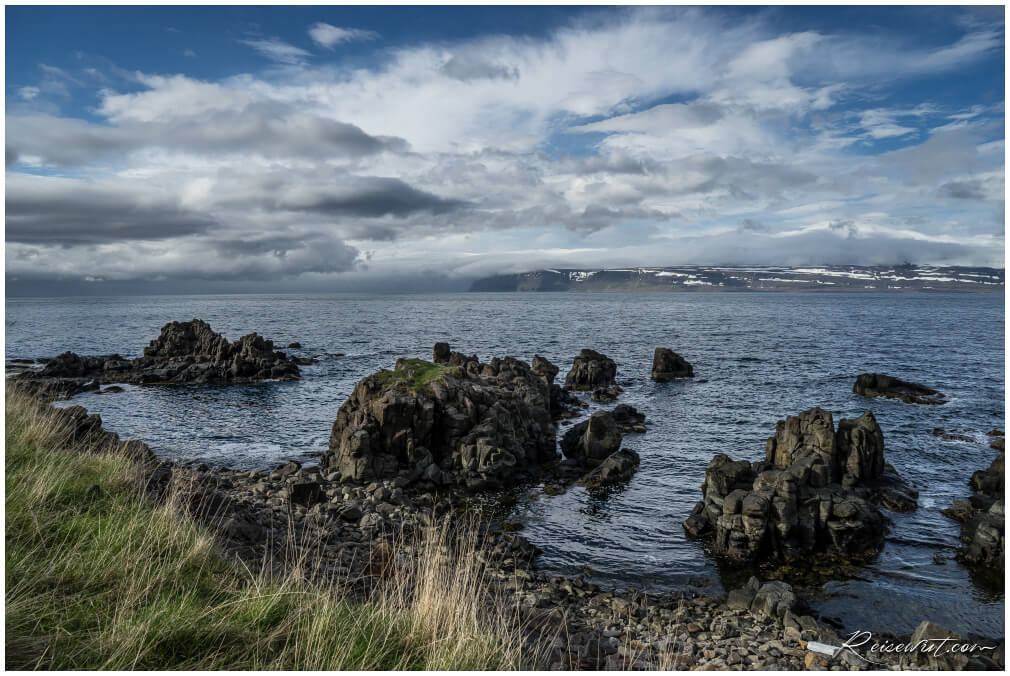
(189, 148)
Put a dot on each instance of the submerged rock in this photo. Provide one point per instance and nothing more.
(949, 436)
(455, 422)
(629, 419)
(667, 365)
(184, 352)
(880, 385)
(591, 370)
(818, 490)
(606, 395)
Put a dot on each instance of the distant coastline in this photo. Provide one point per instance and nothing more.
(901, 278)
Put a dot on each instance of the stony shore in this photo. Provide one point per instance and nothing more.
(356, 534)
(423, 446)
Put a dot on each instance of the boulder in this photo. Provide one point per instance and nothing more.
(880, 385)
(592, 441)
(982, 517)
(456, 422)
(817, 491)
(184, 352)
(591, 370)
(773, 599)
(667, 365)
(742, 598)
(930, 646)
(544, 368)
(616, 468)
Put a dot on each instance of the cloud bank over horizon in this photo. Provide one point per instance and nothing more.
(325, 153)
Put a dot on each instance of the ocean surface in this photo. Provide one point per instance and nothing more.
(757, 358)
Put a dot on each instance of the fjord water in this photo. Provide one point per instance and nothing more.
(757, 358)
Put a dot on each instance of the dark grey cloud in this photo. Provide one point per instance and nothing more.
(468, 67)
(371, 197)
(275, 258)
(258, 246)
(963, 190)
(67, 212)
(269, 129)
(10, 156)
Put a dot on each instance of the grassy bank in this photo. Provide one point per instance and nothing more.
(98, 577)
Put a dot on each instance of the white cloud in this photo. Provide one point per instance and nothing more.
(325, 35)
(28, 93)
(456, 156)
(277, 50)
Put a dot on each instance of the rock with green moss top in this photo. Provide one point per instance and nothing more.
(457, 422)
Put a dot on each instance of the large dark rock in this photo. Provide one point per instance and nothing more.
(880, 385)
(184, 352)
(593, 440)
(667, 365)
(616, 468)
(591, 370)
(458, 422)
(818, 491)
(982, 518)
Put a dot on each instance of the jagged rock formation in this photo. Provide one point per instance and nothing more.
(983, 520)
(455, 422)
(880, 385)
(593, 440)
(562, 402)
(667, 365)
(817, 491)
(184, 352)
(591, 370)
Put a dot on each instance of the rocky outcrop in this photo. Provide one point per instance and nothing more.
(456, 422)
(982, 518)
(591, 370)
(592, 441)
(817, 491)
(667, 365)
(879, 385)
(184, 352)
(563, 404)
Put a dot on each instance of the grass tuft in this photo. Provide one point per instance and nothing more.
(415, 375)
(102, 578)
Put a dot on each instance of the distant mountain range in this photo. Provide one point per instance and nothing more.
(753, 278)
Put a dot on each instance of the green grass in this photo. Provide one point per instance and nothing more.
(104, 579)
(415, 375)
